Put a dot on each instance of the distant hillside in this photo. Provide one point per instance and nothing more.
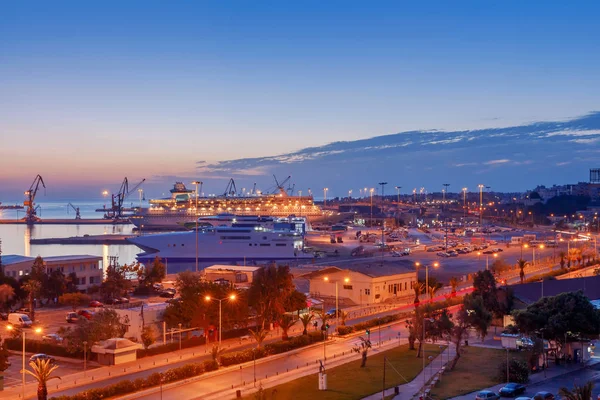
(511, 158)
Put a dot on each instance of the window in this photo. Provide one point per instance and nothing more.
(280, 244)
(91, 280)
(82, 267)
(377, 296)
(235, 237)
(348, 287)
(405, 285)
(265, 244)
(368, 291)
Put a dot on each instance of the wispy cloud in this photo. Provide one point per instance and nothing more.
(563, 163)
(465, 164)
(496, 162)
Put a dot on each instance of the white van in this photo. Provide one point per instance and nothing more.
(20, 320)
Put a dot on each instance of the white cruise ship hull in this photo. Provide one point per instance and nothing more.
(223, 244)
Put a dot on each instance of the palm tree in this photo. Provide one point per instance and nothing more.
(32, 287)
(216, 353)
(432, 290)
(454, 284)
(578, 393)
(259, 335)
(343, 317)
(362, 348)
(562, 256)
(42, 370)
(286, 322)
(521, 264)
(418, 288)
(305, 319)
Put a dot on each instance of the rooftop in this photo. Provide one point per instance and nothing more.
(233, 268)
(10, 259)
(71, 258)
(529, 293)
(372, 269)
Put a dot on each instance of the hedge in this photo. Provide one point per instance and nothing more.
(170, 347)
(127, 386)
(36, 346)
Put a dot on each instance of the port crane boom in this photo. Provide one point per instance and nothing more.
(116, 211)
(76, 209)
(31, 213)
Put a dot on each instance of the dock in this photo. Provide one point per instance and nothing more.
(85, 239)
(83, 221)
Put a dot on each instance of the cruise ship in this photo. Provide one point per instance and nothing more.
(225, 244)
(174, 212)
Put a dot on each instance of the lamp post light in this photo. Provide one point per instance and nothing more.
(231, 297)
(325, 196)
(435, 265)
(423, 352)
(464, 190)
(487, 260)
(372, 190)
(196, 215)
(337, 299)
(533, 250)
(480, 186)
(36, 330)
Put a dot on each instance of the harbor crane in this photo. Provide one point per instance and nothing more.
(280, 187)
(117, 200)
(230, 190)
(31, 213)
(76, 209)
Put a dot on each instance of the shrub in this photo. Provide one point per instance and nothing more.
(518, 371)
(238, 357)
(210, 365)
(170, 347)
(345, 330)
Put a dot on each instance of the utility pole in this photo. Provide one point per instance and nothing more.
(398, 206)
(444, 194)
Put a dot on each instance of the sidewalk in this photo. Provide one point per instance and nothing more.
(539, 377)
(413, 388)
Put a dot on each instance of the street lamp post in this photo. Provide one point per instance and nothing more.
(325, 196)
(38, 331)
(231, 297)
(84, 358)
(480, 186)
(196, 215)
(435, 265)
(423, 352)
(464, 190)
(487, 260)
(371, 206)
(337, 299)
(383, 221)
(180, 335)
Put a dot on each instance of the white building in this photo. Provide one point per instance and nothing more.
(139, 316)
(378, 284)
(89, 269)
(239, 276)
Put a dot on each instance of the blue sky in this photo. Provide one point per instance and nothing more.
(90, 93)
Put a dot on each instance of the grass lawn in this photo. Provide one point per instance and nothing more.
(349, 381)
(477, 369)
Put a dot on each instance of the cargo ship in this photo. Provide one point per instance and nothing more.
(182, 207)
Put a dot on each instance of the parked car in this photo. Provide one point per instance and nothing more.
(124, 300)
(52, 338)
(511, 389)
(486, 395)
(157, 286)
(42, 356)
(331, 313)
(170, 293)
(543, 396)
(85, 314)
(72, 317)
(95, 304)
(20, 320)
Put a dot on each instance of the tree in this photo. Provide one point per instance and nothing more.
(42, 372)
(285, 323)
(105, 324)
(423, 315)
(362, 348)
(7, 293)
(4, 354)
(578, 393)
(71, 283)
(478, 316)
(343, 317)
(155, 273)
(259, 335)
(460, 332)
(484, 285)
(518, 371)
(269, 293)
(56, 284)
(454, 284)
(562, 256)
(522, 264)
(33, 288)
(418, 287)
(148, 336)
(432, 290)
(74, 300)
(116, 282)
(306, 319)
(559, 315)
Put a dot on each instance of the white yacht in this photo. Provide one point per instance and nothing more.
(224, 243)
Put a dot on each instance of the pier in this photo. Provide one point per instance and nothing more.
(86, 221)
(85, 239)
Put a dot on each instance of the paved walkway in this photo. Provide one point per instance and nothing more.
(550, 373)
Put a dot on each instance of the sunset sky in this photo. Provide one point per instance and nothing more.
(93, 92)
